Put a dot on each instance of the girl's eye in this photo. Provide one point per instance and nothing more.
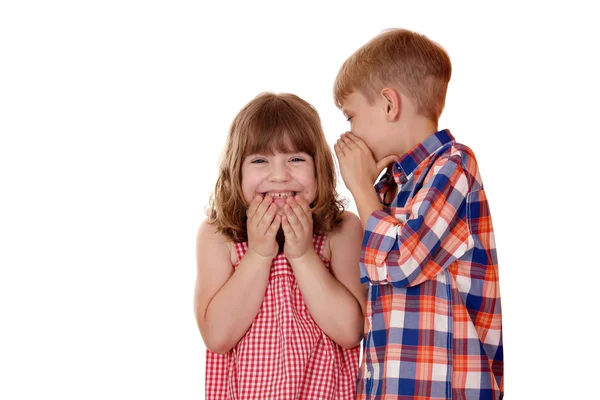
(258, 161)
(349, 119)
(297, 159)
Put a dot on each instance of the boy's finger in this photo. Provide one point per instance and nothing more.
(339, 152)
(385, 162)
(343, 145)
(361, 143)
(346, 140)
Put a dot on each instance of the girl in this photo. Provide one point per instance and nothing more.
(278, 296)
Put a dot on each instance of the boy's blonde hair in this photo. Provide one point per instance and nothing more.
(273, 122)
(404, 60)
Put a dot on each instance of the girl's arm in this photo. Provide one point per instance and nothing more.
(335, 299)
(226, 302)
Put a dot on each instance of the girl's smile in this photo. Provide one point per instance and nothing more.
(280, 176)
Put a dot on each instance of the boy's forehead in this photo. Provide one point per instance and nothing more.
(345, 106)
(349, 101)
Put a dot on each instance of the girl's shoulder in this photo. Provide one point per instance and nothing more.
(346, 231)
(209, 237)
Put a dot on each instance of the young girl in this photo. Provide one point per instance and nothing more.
(278, 297)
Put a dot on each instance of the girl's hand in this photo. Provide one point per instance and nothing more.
(262, 227)
(297, 224)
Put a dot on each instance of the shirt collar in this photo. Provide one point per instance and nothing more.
(407, 164)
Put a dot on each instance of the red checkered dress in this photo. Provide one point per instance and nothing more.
(284, 354)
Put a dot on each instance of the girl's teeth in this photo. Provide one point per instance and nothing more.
(280, 195)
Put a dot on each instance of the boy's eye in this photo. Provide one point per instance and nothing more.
(349, 119)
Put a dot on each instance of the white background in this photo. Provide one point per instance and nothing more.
(112, 118)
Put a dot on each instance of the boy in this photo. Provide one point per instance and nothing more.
(433, 321)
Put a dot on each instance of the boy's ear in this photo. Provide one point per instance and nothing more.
(392, 103)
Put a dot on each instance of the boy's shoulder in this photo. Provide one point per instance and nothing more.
(460, 155)
(452, 151)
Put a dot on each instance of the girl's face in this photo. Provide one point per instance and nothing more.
(279, 175)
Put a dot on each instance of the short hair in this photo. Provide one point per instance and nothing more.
(273, 122)
(402, 59)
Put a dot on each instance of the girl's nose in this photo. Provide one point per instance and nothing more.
(279, 173)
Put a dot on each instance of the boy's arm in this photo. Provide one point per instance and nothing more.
(435, 233)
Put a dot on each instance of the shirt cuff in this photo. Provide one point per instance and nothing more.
(381, 233)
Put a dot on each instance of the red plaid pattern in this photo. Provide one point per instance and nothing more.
(284, 354)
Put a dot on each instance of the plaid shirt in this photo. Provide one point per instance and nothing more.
(433, 327)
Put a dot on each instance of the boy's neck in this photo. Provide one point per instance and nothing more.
(414, 131)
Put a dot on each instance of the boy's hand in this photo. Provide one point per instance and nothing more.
(262, 227)
(297, 225)
(357, 166)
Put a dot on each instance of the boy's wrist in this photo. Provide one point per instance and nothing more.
(367, 202)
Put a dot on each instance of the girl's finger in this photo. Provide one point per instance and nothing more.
(253, 206)
(267, 218)
(274, 227)
(299, 213)
(287, 228)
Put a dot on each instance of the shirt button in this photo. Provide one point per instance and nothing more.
(368, 374)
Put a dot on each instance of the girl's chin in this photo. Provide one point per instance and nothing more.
(280, 210)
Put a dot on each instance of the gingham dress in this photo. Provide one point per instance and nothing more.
(284, 354)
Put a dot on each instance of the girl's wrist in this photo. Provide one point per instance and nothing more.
(258, 258)
(308, 257)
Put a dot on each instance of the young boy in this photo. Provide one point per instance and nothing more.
(433, 322)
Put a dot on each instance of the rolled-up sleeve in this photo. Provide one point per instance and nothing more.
(434, 234)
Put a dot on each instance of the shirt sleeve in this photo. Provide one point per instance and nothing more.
(434, 234)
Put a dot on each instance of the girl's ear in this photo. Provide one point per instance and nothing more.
(393, 104)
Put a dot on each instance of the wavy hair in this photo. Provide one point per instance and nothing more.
(273, 122)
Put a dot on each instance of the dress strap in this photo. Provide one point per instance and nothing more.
(240, 249)
(319, 239)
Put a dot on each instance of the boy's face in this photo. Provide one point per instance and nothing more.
(368, 122)
(279, 175)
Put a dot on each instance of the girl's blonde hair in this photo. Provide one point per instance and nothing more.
(273, 122)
